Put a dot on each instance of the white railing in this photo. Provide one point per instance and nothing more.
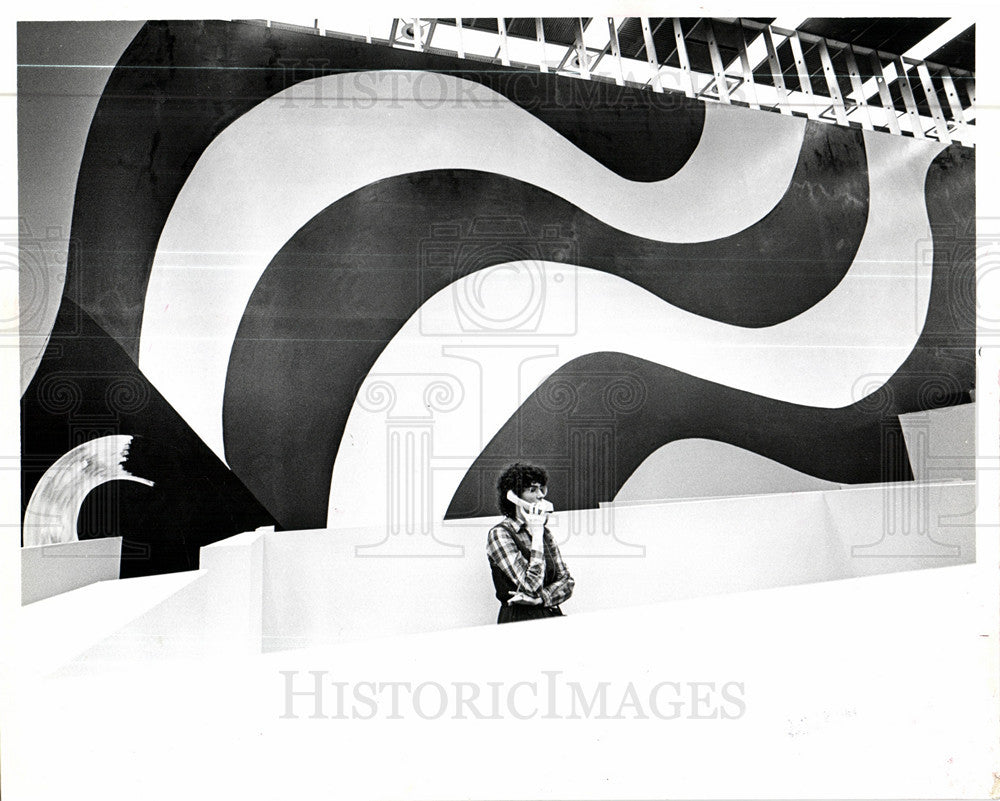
(917, 110)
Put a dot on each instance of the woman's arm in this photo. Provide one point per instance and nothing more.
(503, 552)
(562, 585)
(558, 591)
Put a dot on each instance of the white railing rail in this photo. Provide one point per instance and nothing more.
(931, 101)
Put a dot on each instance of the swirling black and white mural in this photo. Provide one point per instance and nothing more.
(310, 272)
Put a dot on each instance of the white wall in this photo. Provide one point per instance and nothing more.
(700, 468)
(54, 631)
(278, 590)
(317, 589)
(48, 570)
(941, 443)
(212, 612)
(834, 676)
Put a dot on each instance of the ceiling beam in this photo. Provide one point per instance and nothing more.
(757, 49)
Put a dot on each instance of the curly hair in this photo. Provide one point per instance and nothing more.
(518, 477)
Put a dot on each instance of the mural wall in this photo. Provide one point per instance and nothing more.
(321, 283)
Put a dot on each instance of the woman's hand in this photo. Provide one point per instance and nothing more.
(517, 597)
(535, 518)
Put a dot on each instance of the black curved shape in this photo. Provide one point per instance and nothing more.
(562, 424)
(340, 289)
(180, 83)
(86, 387)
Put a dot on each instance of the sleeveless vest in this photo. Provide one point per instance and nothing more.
(501, 582)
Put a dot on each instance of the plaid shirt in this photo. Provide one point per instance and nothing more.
(529, 576)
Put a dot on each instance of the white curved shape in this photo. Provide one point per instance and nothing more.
(54, 505)
(832, 355)
(57, 106)
(706, 468)
(281, 163)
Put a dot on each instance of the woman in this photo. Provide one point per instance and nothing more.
(529, 574)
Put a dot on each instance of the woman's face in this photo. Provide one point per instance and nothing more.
(535, 493)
